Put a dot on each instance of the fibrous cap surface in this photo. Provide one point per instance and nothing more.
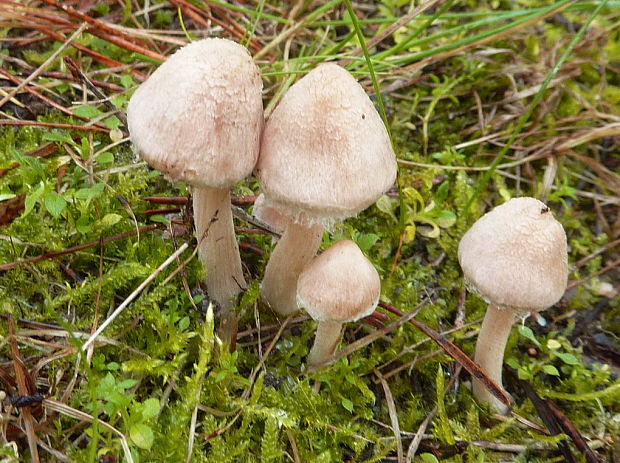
(325, 153)
(515, 256)
(199, 116)
(269, 215)
(339, 285)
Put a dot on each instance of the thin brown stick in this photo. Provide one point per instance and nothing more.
(55, 125)
(23, 389)
(99, 57)
(404, 318)
(43, 66)
(605, 269)
(195, 13)
(572, 432)
(80, 247)
(77, 73)
(598, 252)
(457, 354)
(38, 94)
(106, 32)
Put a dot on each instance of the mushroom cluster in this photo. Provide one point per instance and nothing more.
(515, 257)
(323, 155)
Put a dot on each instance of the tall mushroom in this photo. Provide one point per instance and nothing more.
(340, 285)
(325, 156)
(198, 119)
(515, 257)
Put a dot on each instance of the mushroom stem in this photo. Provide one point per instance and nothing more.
(325, 342)
(293, 252)
(219, 253)
(490, 352)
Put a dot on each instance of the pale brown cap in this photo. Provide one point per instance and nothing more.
(269, 215)
(199, 116)
(325, 153)
(340, 285)
(515, 256)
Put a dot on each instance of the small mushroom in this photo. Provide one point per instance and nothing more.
(325, 156)
(515, 257)
(198, 119)
(340, 285)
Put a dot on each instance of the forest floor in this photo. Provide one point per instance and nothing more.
(484, 101)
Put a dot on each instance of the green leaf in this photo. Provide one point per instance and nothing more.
(526, 332)
(384, 204)
(429, 230)
(513, 362)
(409, 233)
(428, 458)
(5, 196)
(105, 158)
(127, 81)
(551, 370)
(347, 404)
(90, 193)
(112, 122)
(159, 218)
(84, 224)
(442, 192)
(141, 435)
(111, 219)
(59, 137)
(54, 203)
(365, 241)
(184, 323)
(568, 359)
(523, 374)
(32, 199)
(150, 408)
(86, 111)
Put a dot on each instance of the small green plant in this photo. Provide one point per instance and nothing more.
(420, 218)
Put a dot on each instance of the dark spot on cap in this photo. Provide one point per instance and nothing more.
(544, 210)
(363, 116)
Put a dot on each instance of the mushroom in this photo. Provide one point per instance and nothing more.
(325, 156)
(340, 285)
(198, 119)
(515, 257)
(269, 216)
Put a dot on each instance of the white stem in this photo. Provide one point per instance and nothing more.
(325, 342)
(219, 253)
(490, 352)
(293, 252)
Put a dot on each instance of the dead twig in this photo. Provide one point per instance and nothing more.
(56, 125)
(80, 247)
(457, 354)
(25, 387)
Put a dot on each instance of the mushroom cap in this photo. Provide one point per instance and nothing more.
(340, 285)
(269, 215)
(515, 256)
(199, 116)
(325, 153)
